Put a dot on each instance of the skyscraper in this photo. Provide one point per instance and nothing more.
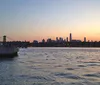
(84, 39)
(57, 39)
(70, 37)
(67, 39)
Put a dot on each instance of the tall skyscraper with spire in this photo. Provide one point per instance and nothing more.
(70, 37)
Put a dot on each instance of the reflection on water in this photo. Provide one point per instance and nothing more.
(52, 66)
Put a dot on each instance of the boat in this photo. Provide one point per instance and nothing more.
(6, 50)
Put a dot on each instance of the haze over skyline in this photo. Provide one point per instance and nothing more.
(41, 19)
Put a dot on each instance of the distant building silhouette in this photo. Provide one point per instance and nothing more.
(84, 39)
(43, 41)
(49, 40)
(57, 39)
(70, 37)
(35, 41)
(60, 39)
(67, 39)
(75, 40)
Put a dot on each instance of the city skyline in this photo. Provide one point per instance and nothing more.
(67, 39)
(42, 19)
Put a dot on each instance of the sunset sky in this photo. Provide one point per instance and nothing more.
(37, 19)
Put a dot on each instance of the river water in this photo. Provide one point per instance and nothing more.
(52, 66)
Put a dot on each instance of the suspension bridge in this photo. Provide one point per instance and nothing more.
(8, 39)
(11, 41)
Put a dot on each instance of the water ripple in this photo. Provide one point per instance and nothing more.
(93, 75)
(68, 75)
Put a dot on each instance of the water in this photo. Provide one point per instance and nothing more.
(52, 66)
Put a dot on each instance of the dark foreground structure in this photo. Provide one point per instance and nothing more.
(12, 55)
(6, 50)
